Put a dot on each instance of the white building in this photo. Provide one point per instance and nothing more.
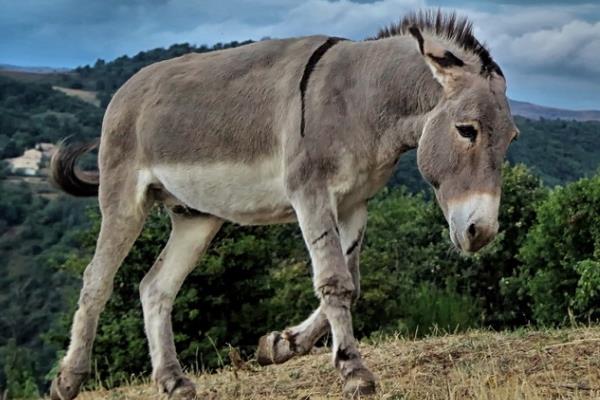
(32, 160)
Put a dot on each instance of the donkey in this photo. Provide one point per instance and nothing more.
(305, 129)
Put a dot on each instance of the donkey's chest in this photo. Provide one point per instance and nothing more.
(358, 180)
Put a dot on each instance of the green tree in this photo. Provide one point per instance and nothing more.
(562, 253)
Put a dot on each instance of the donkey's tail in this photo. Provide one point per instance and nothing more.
(65, 175)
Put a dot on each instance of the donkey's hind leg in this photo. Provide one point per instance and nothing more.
(278, 347)
(122, 221)
(190, 236)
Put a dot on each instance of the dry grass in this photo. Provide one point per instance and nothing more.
(557, 364)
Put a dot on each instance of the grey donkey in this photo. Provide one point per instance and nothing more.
(305, 129)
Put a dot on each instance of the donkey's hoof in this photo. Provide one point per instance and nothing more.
(274, 348)
(186, 390)
(178, 388)
(359, 383)
(66, 385)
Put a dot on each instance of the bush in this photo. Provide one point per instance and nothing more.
(561, 254)
(256, 279)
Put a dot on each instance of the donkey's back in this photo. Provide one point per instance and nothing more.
(228, 105)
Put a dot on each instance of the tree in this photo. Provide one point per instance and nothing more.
(562, 253)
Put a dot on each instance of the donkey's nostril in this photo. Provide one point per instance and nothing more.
(472, 230)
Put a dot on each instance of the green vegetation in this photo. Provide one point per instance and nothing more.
(31, 113)
(256, 279)
(558, 151)
(542, 269)
(561, 256)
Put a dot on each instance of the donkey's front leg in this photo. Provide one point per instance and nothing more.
(334, 286)
(278, 347)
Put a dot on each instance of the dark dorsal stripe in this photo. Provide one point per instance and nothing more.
(310, 66)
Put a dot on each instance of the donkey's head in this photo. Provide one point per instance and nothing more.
(466, 136)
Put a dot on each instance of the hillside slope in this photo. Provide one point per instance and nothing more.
(477, 365)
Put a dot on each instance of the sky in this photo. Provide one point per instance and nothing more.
(549, 50)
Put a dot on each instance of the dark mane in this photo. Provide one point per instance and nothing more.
(448, 26)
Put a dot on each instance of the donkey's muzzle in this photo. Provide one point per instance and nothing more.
(473, 221)
(478, 235)
(474, 237)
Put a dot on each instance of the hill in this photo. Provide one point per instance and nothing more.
(33, 70)
(525, 365)
(32, 112)
(534, 111)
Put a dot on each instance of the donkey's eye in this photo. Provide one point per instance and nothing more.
(467, 131)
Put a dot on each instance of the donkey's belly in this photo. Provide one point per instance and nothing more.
(245, 194)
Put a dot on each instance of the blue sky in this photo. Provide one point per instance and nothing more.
(548, 49)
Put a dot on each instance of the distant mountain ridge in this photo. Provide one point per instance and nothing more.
(534, 111)
(33, 70)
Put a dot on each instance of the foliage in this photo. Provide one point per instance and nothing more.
(20, 382)
(31, 113)
(558, 151)
(562, 253)
(32, 292)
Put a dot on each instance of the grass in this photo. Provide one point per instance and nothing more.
(552, 364)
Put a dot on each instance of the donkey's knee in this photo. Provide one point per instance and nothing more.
(336, 290)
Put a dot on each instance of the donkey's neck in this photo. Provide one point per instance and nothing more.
(397, 91)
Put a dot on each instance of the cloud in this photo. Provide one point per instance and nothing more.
(556, 40)
(342, 18)
(550, 54)
(534, 41)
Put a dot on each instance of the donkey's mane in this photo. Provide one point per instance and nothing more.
(447, 26)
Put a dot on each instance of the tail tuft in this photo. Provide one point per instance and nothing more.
(65, 175)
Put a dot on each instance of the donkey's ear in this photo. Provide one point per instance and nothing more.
(446, 67)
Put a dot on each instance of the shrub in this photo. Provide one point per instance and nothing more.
(561, 254)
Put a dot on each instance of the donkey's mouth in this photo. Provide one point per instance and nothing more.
(455, 240)
(474, 238)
